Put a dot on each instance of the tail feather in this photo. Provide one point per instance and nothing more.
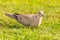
(10, 15)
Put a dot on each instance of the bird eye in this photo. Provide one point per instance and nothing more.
(39, 13)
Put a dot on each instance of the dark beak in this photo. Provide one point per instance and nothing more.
(43, 15)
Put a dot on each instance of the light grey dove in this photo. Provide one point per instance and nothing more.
(28, 19)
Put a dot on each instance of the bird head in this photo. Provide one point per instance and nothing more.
(41, 13)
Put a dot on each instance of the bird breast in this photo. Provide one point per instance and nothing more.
(40, 20)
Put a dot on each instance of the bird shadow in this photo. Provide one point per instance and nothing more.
(5, 24)
(22, 27)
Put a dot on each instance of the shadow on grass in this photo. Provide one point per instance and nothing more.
(21, 27)
(12, 25)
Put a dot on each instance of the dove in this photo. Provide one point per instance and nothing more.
(28, 19)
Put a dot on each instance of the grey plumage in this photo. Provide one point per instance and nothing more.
(27, 19)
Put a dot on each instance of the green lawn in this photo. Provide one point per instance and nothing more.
(10, 29)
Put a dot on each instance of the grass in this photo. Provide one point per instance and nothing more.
(10, 29)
